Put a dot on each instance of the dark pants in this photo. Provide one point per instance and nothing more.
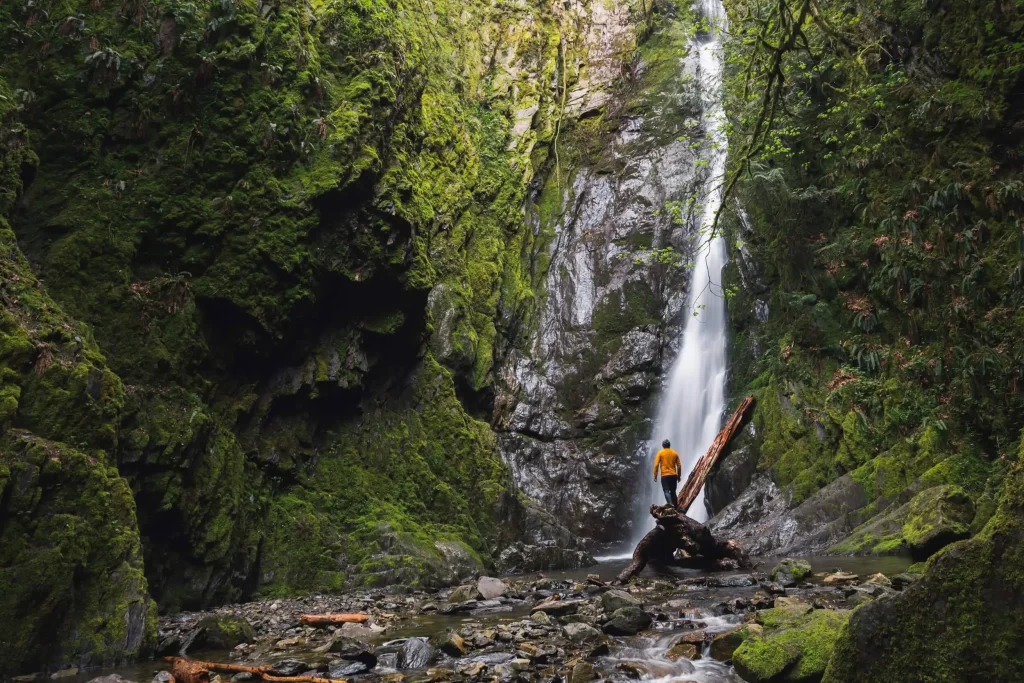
(668, 485)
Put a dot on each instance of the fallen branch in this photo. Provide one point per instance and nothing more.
(329, 619)
(695, 482)
(196, 671)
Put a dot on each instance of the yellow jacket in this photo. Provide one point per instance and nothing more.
(668, 460)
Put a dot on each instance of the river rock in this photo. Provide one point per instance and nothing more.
(490, 588)
(839, 578)
(558, 608)
(351, 648)
(340, 668)
(541, 618)
(416, 653)
(799, 648)
(582, 633)
(582, 672)
(724, 644)
(292, 667)
(615, 599)
(682, 651)
(790, 572)
(111, 678)
(627, 621)
(220, 632)
(64, 673)
(450, 643)
(880, 579)
(732, 581)
(464, 593)
(519, 664)
(901, 581)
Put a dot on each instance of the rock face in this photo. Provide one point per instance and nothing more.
(572, 401)
(963, 620)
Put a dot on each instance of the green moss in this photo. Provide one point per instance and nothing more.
(794, 648)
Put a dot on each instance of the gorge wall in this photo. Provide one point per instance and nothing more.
(301, 296)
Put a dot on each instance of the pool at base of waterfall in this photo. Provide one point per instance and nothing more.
(573, 626)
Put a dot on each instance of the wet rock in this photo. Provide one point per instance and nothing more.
(880, 579)
(111, 678)
(519, 664)
(773, 588)
(520, 558)
(464, 594)
(793, 605)
(541, 618)
(491, 588)
(243, 677)
(289, 667)
(450, 643)
(840, 578)
(724, 644)
(582, 672)
(799, 648)
(357, 631)
(162, 677)
(857, 597)
(790, 572)
(627, 621)
(683, 651)
(64, 673)
(558, 608)
(473, 668)
(580, 634)
(220, 632)
(340, 668)
(615, 599)
(732, 581)
(494, 658)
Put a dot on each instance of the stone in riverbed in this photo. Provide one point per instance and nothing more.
(839, 578)
(790, 572)
(463, 594)
(796, 649)
(450, 643)
(289, 667)
(579, 633)
(627, 621)
(541, 618)
(683, 651)
(490, 588)
(558, 608)
(615, 599)
(111, 678)
(583, 672)
(520, 664)
(416, 653)
(901, 581)
(724, 644)
(880, 579)
(340, 668)
(220, 632)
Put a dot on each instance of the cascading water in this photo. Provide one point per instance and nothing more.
(693, 398)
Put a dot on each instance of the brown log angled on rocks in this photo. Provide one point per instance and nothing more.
(185, 670)
(330, 619)
(695, 482)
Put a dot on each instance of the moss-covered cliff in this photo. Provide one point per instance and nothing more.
(878, 250)
(286, 249)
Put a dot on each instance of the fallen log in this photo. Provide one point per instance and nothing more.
(329, 619)
(695, 482)
(684, 542)
(184, 670)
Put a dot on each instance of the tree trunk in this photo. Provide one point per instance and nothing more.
(695, 482)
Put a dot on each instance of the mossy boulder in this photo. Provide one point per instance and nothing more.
(795, 650)
(724, 644)
(222, 632)
(72, 589)
(790, 572)
(937, 517)
(963, 620)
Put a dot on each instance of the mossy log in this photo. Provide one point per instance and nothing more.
(697, 547)
(329, 619)
(195, 671)
(695, 482)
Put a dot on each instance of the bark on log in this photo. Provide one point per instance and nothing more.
(185, 670)
(695, 482)
(329, 619)
(681, 541)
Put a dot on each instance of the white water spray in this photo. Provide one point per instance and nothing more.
(693, 399)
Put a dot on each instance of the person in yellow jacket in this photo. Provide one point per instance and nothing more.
(667, 462)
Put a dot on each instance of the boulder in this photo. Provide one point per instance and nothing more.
(615, 599)
(795, 652)
(340, 668)
(490, 588)
(880, 579)
(220, 632)
(450, 643)
(627, 621)
(541, 618)
(416, 653)
(582, 672)
(464, 593)
(839, 578)
(962, 621)
(901, 581)
(558, 608)
(937, 517)
(580, 634)
(683, 651)
(790, 572)
(724, 644)
(111, 678)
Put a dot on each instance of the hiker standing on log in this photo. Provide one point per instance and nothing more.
(667, 462)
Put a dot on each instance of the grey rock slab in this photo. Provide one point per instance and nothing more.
(615, 599)
(627, 621)
(580, 633)
(416, 653)
(491, 588)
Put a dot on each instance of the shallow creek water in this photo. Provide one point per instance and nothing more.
(645, 653)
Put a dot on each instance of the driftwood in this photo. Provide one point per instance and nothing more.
(329, 619)
(695, 482)
(185, 670)
(684, 542)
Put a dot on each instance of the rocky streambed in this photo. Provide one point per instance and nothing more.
(778, 623)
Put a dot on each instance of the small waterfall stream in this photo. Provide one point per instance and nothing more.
(693, 398)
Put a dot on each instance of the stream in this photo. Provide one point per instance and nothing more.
(682, 600)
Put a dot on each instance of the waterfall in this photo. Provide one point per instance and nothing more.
(693, 398)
